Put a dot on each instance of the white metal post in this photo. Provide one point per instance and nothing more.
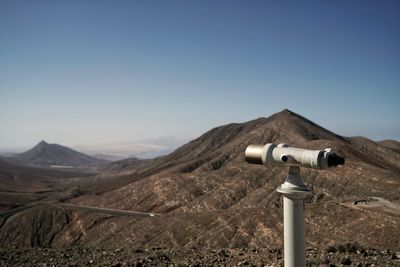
(294, 243)
(294, 191)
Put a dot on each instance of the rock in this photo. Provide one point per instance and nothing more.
(223, 253)
(345, 260)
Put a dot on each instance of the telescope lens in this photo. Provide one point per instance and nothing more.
(334, 160)
(253, 154)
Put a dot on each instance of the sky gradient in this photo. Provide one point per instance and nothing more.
(86, 72)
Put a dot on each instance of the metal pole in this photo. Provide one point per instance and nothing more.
(294, 242)
(294, 191)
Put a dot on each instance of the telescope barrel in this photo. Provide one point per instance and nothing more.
(283, 155)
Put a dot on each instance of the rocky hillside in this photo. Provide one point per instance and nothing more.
(208, 196)
(393, 144)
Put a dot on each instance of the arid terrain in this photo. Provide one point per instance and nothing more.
(203, 205)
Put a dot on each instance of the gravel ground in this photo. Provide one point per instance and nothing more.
(332, 256)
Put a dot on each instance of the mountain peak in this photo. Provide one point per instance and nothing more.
(289, 112)
(43, 143)
(286, 110)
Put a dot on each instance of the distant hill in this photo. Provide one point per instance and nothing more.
(392, 144)
(46, 155)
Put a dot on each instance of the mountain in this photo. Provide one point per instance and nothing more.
(46, 155)
(209, 197)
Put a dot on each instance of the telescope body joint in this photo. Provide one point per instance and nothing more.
(294, 186)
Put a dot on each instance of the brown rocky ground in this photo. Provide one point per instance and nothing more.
(342, 255)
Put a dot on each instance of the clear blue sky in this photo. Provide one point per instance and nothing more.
(84, 72)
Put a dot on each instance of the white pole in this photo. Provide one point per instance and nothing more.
(294, 191)
(293, 227)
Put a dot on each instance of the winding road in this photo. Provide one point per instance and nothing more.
(116, 212)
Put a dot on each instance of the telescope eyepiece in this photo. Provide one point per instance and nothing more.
(335, 160)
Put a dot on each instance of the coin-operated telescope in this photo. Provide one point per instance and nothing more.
(293, 189)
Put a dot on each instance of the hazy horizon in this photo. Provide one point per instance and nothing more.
(157, 141)
(89, 72)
